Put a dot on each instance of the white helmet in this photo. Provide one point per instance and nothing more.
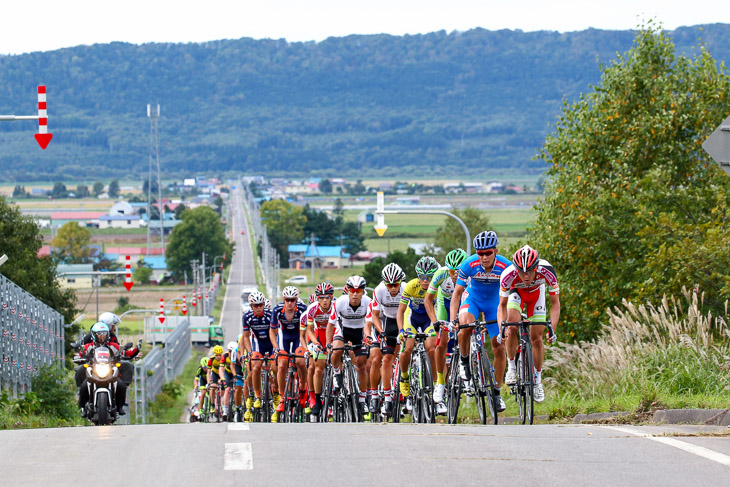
(110, 319)
(290, 292)
(232, 346)
(256, 297)
(267, 304)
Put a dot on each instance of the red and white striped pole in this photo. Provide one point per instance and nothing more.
(128, 276)
(42, 137)
(195, 301)
(162, 311)
(185, 306)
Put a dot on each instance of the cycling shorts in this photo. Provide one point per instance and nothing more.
(284, 356)
(288, 343)
(442, 309)
(202, 380)
(418, 323)
(321, 335)
(476, 306)
(533, 303)
(389, 342)
(229, 378)
(354, 336)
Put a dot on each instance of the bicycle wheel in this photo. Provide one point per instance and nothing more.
(218, 413)
(453, 389)
(529, 385)
(205, 409)
(396, 394)
(265, 399)
(231, 406)
(489, 386)
(354, 394)
(285, 417)
(477, 381)
(326, 396)
(428, 407)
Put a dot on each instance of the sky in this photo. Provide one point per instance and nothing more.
(44, 25)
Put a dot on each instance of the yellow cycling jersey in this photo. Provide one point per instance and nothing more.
(414, 295)
(214, 364)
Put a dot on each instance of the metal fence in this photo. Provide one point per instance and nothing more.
(269, 260)
(159, 366)
(32, 336)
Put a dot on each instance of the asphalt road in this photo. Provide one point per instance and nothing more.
(364, 454)
(242, 269)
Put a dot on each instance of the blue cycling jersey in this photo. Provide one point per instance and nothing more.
(479, 282)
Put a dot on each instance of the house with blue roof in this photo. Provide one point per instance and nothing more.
(301, 256)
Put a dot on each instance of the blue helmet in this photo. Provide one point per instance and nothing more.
(485, 240)
(100, 333)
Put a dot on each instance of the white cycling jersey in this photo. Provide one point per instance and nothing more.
(386, 304)
(344, 316)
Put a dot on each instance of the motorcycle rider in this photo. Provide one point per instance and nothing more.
(100, 336)
(126, 371)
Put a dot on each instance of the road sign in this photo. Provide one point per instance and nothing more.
(42, 137)
(380, 225)
(718, 145)
(128, 276)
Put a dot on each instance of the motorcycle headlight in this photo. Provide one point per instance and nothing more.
(102, 370)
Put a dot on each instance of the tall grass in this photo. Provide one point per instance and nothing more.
(648, 351)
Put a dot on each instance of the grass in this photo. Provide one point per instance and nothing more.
(170, 404)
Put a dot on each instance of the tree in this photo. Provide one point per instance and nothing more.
(359, 188)
(179, 210)
(21, 241)
(59, 190)
(352, 238)
(325, 186)
(200, 231)
(142, 273)
(284, 225)
(71, 244)
(98, 188)
(19, 192)
(407, 260)
(451, 235)
(633, 207)
(82, 191)
(339, 208)
(114, 189)
(146, 186)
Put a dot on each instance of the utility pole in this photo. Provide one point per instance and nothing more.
(153, 113)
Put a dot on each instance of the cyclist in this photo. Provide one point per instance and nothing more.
(347, 324)
(318, 315)
(200, 382)
(523, 286)
(386, 301)
(257, 342)
(412, 318)
(284, 331)
(440, 291)
(217, 366)
(482, 273)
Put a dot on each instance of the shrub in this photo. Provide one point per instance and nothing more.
(55, 392)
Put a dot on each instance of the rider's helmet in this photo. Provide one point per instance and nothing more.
(267, 304)
(290, 292)
(312, 298)
(392, 273)
(355, 282)
(256, 297)
(100, 333)
(485, 240)
(324, 288)
(217, 350)
(455, 258)
(426, 266)
(232, 346)
(110, 319)
(526, 259)
(204, 362)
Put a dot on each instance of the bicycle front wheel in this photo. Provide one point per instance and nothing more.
(427, 408)
(454, 391)
(529, 386)
(476, 372)
(396, 395)
(489, 385)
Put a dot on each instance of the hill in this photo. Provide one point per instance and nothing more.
(476, 103)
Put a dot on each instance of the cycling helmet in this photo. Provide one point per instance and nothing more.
(217, 350)
(526, 259)
(256, 297)
(324, 288)
(455, 258)
(204, 362)
(485, 240)
(290, 292)
(312, 298)
(267, 304)
(100, 333)
(355, 282)
(110, 319)
(392, 273)
(232, 346)
(427, 266)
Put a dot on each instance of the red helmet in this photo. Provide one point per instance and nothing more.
(312, 298)
(526, 259)
(324, 288)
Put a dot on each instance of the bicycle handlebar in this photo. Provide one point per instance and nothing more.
(477, 324)
(548, 323)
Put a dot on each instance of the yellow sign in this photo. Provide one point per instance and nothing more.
(381, 230)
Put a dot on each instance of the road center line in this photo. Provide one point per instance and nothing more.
(688, 447)
(238, 456)
(237, 426)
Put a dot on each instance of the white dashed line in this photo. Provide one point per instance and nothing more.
(238, 456)
(688, 447)
(237, 426)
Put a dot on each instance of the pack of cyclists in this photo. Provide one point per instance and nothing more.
(380, 333)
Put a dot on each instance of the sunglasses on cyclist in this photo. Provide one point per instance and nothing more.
(290, 300)
(357, 291)
(424, 277)
(392, 286)
(485, 252)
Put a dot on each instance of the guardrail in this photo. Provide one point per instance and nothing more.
(32, 336)
(159, 366)
(269, 260)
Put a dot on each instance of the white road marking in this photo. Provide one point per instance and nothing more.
(688, 447)
(237, 426)
(238, 456)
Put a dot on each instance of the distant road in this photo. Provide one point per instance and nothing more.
(242, 268)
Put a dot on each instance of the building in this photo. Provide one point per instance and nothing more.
(72, 276)
(332, 257)
(83, 218)
(119, 221)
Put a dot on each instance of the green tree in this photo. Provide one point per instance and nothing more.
(142, 273)
(82, 191)
(451, 235)
(325, 186)
(71, 244)
(200, 231)
(179, 211)
(59, 190)
(114, 189)
(19, 192)
(98, 188)
(633, 207)
(407, 260)
(21, 241)
(284, 225)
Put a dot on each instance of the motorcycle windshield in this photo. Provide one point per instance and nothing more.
(102, 354)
